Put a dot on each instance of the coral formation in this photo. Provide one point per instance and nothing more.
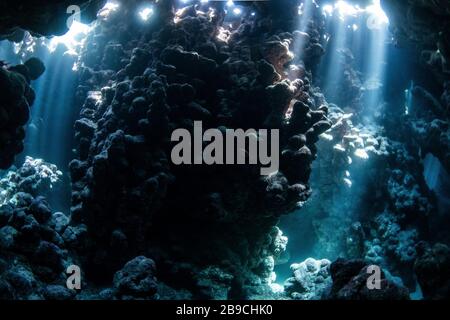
(33, 255)
(15, 107)
(311, 280)
(168, 78)
(350, 279)
(431, 268)
(35, 177)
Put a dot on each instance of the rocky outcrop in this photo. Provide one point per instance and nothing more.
(431, 268)
(33, 256)
(15, 104)
(311, 280)
(126, 190)
(136, 279)
(350, 282)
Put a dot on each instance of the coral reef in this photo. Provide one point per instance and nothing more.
(15, 104)
(311, 280)
(126, 191)
(35, 177)
(33, 255)
(370, 198)
(431, 268)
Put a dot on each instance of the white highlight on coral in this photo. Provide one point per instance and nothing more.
(326, 136)
(45, 175)
(339, 147)
(348, 182)
(146, 13)
(27, 45)
(300, 9)
(361, 153)
(223, 34)
(96, 95)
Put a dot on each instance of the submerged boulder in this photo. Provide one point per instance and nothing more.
(351, 282)
(136, 279)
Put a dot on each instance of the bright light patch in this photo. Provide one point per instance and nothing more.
(237, 11)
(73, 39)
(328, 10)
(27, 45)
(230, 3)
(146, 13)
(108, 9)
(376, 16)
(345, 9)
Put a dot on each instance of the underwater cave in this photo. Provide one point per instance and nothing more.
(347, 102)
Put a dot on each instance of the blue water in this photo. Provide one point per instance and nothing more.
(49, 134)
